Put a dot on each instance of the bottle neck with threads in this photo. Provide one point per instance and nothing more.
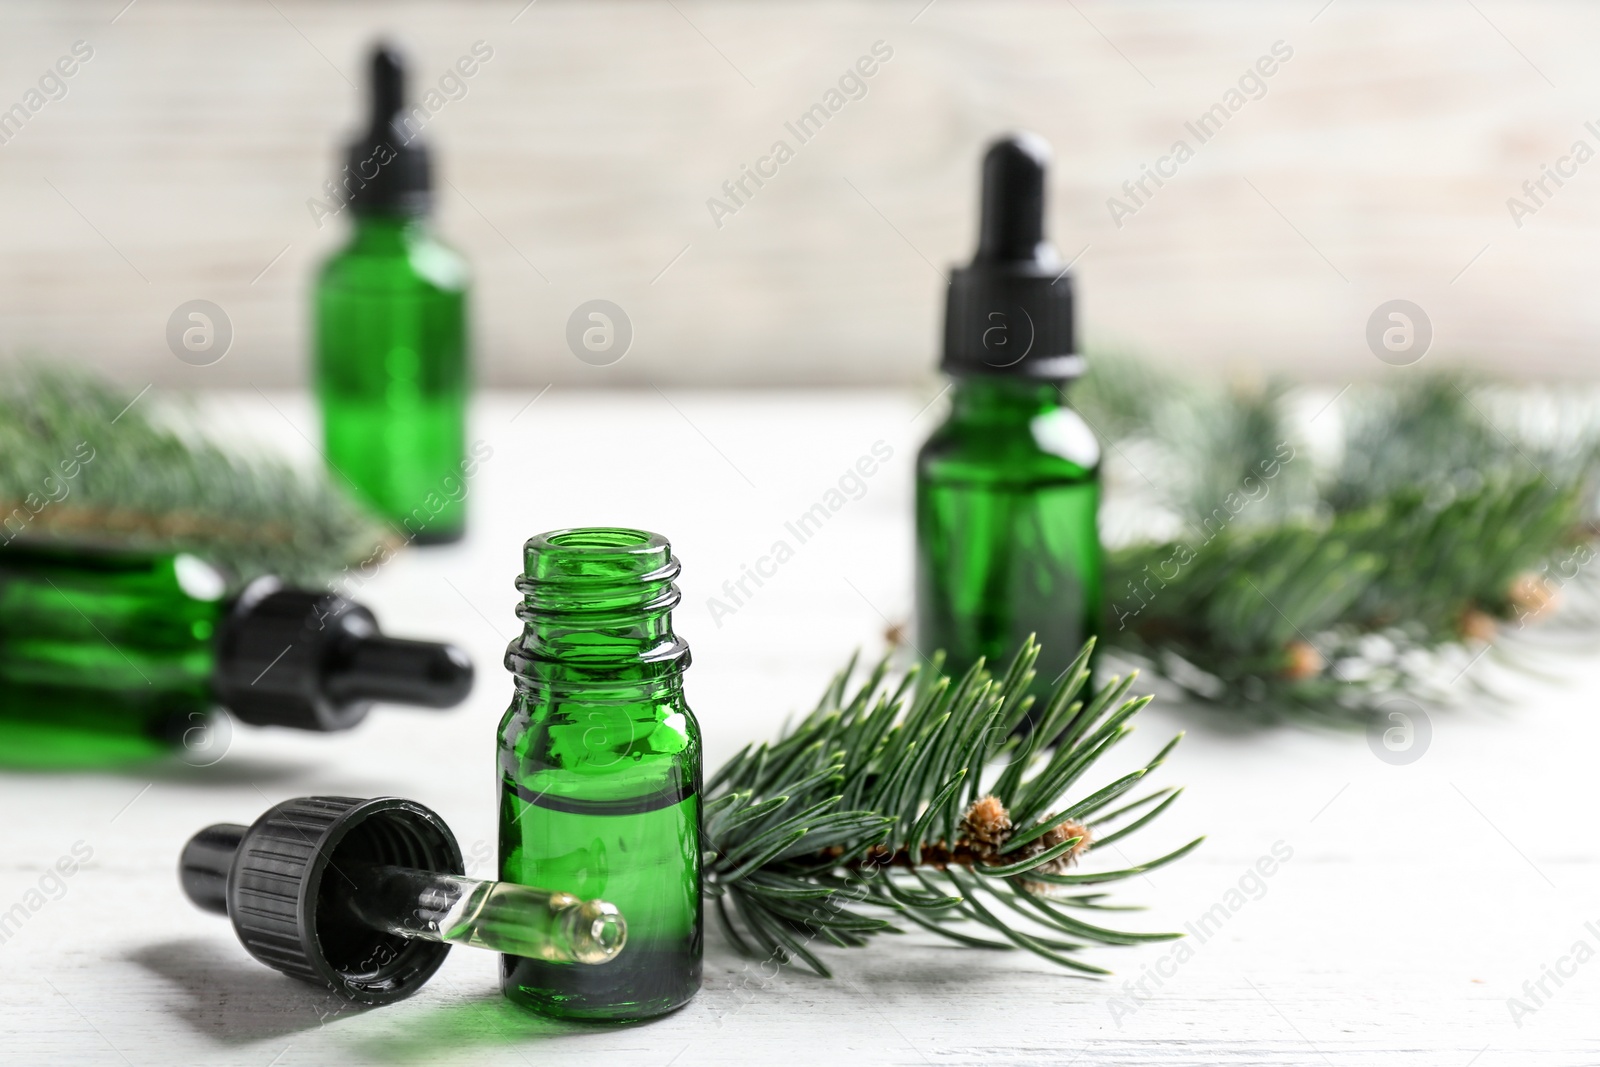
(597, 616)
(598, 669)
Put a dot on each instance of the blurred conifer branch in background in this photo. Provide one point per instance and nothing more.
(1282, 553)
(84, 461)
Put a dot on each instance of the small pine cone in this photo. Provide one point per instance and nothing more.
(986, 822)
(1302, 661)
(1477, 625)
(1056, 835)
(1532, 596)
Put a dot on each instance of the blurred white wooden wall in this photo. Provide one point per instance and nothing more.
(1376, 164)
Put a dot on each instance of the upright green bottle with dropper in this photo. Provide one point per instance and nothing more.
(391, 332)
(1009, 486)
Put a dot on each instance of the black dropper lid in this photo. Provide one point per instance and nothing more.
(387, 169)
(316, 661)
(1009, 312)
(282, 881)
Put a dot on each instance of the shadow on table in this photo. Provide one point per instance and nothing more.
(428, 1035)
(228, 997)
(225, 996)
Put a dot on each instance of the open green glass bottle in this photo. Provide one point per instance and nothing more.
(391, 333)
(599, 761)
(1008, 487)
(108, 657)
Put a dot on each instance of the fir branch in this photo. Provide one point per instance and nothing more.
(1381, 566)
(86, 462)
(920, 802)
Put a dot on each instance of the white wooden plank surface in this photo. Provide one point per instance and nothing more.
(1417, 899)
(1377, 165)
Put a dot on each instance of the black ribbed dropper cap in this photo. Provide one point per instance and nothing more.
(317, 661)
(283, 881)
(1010, 311)
(388, 169)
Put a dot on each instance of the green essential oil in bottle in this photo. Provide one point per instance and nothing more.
(600, 769)
(1008, 487)
(108, 657)
(391, 333)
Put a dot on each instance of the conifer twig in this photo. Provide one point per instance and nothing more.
(1305, 579)
(83, 461)
(921, 806)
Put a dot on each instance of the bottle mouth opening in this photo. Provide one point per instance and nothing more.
(597, 595)
(598, 557)
(601, 538)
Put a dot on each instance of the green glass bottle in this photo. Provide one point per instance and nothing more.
(1008, 487)
(599, 761)
(108, 657)
(391, 334)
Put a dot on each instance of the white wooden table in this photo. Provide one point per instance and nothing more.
(1418, 898)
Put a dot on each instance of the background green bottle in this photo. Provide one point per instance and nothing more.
(1008, 487)
(599, 760)
(391, 333)
(107, 657)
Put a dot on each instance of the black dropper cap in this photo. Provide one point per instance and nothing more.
(1009, 312)
(316, 661)
(387, 169)
(282, 882)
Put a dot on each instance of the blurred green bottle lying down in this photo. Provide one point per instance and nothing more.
(109, 656)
